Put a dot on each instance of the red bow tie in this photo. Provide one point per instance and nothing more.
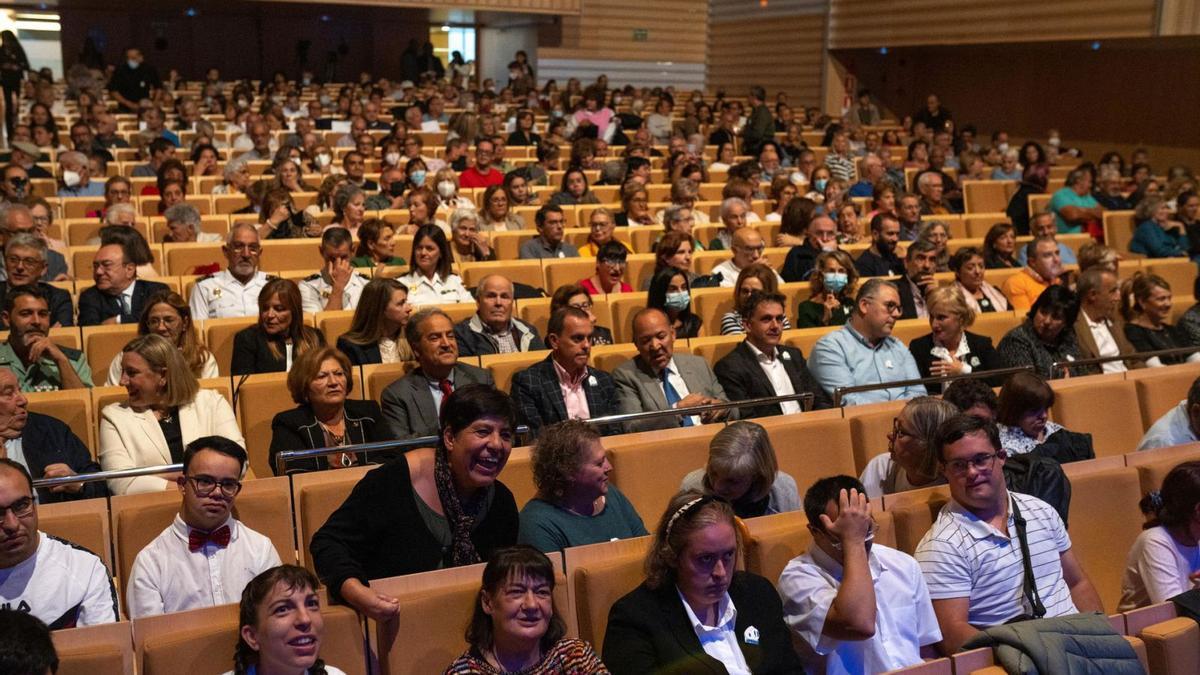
(197, 539)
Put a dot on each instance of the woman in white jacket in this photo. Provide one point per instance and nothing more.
(165, 411)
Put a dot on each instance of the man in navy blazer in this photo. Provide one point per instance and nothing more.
(589, 393)
(118, 296)
(47, 447)
(760, 366)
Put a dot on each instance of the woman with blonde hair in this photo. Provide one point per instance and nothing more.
(742, 468)
(1146, 306)
(949, 348)
(911, 461)
(834, 282)
(167, 314)
(165, 410)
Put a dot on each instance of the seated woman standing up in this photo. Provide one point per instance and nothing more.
(575, 503)
(693, 588)
(279, 337)
(1146, 307)
(512, 631)
(1164, 560)
(431, 508)
(166, 409)
(1023, 415)
(325, 416)
(167, 314)
(742, 468)
(911, 461)
(376, 332)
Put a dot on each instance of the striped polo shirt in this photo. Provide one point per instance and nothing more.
(963, 556)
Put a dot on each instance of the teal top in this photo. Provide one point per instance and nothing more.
(367, 261)
(549, 528)
(43, 374)
(1068, 197)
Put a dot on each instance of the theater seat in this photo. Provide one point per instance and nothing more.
(260, 398)
(314, 497)
(913, 513)
(504, 366)
(95, 650)
(810, 446)
(83, 522)
(1173, 647)
(102, 343)
(518, 475)
(1153, 468)
(597, 586)
(1104, 522)
(649, 466)
(1160, 389)
(72, 407)
(1105, 409)
(774, 540)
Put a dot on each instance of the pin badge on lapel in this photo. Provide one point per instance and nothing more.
(751, 635)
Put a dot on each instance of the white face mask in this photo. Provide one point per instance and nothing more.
(324, 159)
(71, 178)
(133, 64)
(1002, 147)
(296, 161)
(446, 189)
(829, 245)
(1055, 141)
(392, 158)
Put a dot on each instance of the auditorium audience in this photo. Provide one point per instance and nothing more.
(968, 266)
(949, 348)
(659, 379)
(59, 583)
(233, 291)
(672, 250)
(38, 362)
(279, 336)
(1099, 329)
(801, 260)
(515, 626)
(863, 352)
(1023, 417)
(602, 231)
(754, 277)
(1075, 209)
(1042, 225)
(574, 189)
(854, 606)
(575, 503)
(747, 246)
(733, 217)
(467, 243)
(24, 264)
(1043, 270)
(549, 242)
(610, 270)
(694, 605)
(1046, 336)
(497, 214)
(973, 587)
(1164, 560)
(166, 314)
(206, 556)
(412, 404)
(278, 608)
(431, 281)
(337, 286)
(563, 386)
(376, 332)
(973, 397)
(1146, 308)
(1178, 426)
(880, 259)
(572, 295)
(910, 462)
(431, 508)
(742, 468)
(492, 328)
(118, 295)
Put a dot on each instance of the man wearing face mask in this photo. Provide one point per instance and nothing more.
(133, 81)
(76, 176)
(920, 263)
(821, 236)
(391, 190)
(747, 246)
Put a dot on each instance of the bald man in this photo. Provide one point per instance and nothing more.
(492, 328)
(748, 248)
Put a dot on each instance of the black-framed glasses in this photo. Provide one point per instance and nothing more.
(585, 306)
(980, 462)
(204, 485)
(20, 508)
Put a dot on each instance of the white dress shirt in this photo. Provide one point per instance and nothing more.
(315, 291)
(680, 386)
(720, 641)
(221, 295)
(1106, 344)
(167, 577)
(778, 376)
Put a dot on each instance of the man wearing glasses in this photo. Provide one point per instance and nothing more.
(206, 556)
(18, 219)
(748, 247)
(24, 263)
(986, 540)
(233, 291)
(483, 174)
(864, 352)
(64, 585)
(119, 295)
(856, 606)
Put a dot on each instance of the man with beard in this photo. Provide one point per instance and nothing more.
(38, 363)
(821, 237)
(880, 259)
(234, 291)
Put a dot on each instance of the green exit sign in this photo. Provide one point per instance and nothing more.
(640, 34)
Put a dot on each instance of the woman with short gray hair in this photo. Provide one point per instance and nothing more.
(742, 468)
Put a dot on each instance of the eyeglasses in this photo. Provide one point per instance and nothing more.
(204, 485)
(980, 462)
(20, 508)
(585, 306)
(897, 430)
(15, 260)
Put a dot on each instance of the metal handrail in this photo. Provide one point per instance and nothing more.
(805, 398)
(1135, 356)
(108, 475)
(840, 392)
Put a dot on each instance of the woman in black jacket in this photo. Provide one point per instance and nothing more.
(376, 332)
(670, 291)
(272, 345)
(325, 416)
(693, 556)
(949, 348)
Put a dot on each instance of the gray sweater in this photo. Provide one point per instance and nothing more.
(784, 495)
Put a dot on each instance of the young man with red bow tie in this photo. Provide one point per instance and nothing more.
(206, 557)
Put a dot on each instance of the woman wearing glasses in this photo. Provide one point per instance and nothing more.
(911, 461)
(610, 270)
(166, 409)
(578, 297)
(168, 314)
(172, 573)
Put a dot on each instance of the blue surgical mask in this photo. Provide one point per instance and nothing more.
(677, 301)
(820, 184)
(835, 281)
(417, 177)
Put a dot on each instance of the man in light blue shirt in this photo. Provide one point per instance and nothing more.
(1178, 426)
(864, 351)
(76, 176)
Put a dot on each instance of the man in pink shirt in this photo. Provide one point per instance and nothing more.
(482, 174)
(563, 386)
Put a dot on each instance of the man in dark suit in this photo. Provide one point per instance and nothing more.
(760, 366)
(563, 386)
(24, 263)
(659, 379)
(118, 296)
(411, 404)
(920, 262)
(47, 447)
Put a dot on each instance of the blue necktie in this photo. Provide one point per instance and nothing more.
(673, 397)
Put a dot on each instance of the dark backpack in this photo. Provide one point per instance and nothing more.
(1041, 477)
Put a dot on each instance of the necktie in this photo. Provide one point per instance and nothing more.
(446, 388)
(197, 539)
(124, 303)
(673, 397)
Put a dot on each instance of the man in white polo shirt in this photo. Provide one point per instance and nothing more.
(62, 584)
(857, 607)
(972, 556)
(206, 557)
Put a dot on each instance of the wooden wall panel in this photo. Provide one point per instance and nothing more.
(676, 30)
(527, 6)
(779, 53)
(889, 23)
(1179, 17)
